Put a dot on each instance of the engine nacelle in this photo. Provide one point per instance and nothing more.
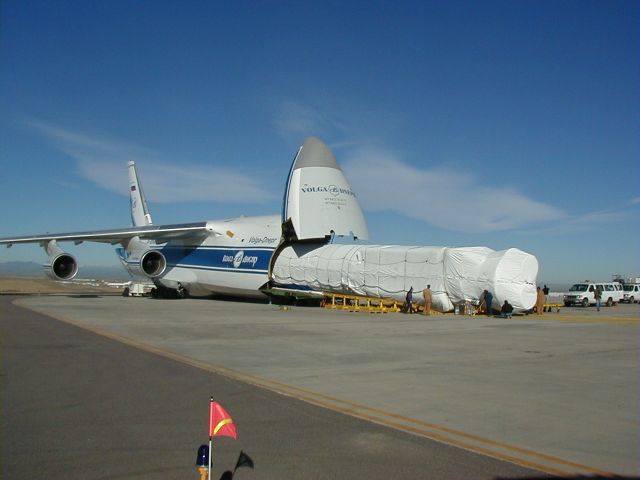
(153, 263)
(62, 266)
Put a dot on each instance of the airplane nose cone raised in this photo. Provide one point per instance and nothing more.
(318, 199)
(314, 153)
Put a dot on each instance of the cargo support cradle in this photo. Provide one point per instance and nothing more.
(357, 303)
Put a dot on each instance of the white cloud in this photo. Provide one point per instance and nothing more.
(443, 197)
(448, 198)
(293, 118)
(103, 161)
(586, 221)
(323, 119)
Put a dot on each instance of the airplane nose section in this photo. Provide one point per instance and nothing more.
(314, 153)
(318, 201)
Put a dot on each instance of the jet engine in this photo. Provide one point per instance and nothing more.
(141, 260)
(153, 263)
(61, 265)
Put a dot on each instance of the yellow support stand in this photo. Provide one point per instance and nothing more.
(547, 307)
(357, 303)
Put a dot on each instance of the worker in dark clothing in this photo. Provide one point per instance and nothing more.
(507, 310)
(545, 290)
(409, 301)
(488, 300)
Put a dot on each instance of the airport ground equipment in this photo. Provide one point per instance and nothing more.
(137, 289)
(466, 308)
(548, 307)
(357, 303)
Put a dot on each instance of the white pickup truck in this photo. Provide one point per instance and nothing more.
(584, 294)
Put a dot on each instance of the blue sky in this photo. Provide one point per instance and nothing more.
(505, 124)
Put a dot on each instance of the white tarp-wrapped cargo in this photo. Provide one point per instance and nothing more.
(456, 275)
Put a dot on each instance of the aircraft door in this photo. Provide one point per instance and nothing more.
(319, 201)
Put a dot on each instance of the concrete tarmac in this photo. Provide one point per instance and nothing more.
(556, 393)
(79, 405)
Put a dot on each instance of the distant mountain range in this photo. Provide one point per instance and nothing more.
(33, 269)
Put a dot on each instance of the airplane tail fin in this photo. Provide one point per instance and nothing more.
(318, 201)
(140, 215)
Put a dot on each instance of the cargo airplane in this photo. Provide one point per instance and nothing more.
(225, 257)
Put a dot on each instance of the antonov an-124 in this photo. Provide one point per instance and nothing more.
(228, 257)
(293, 254)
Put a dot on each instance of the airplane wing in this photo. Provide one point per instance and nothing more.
(160, 234)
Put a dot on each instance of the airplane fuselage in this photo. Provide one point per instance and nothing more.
(235, 262)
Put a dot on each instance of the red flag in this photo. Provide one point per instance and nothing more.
(220, 422)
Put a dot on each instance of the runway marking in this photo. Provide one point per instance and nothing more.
(604, 320)
(467, 441)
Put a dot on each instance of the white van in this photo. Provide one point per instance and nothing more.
(631, 293)
(583, 294)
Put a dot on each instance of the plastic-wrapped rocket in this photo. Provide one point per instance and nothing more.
(319, 203)
(455, 274)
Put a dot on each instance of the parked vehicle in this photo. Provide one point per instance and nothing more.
(631, 293)
(584, 294)
(137, 289)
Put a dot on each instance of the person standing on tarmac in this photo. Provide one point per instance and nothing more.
(488, 300)
(409, 300)
(426, 293)
(598, 295)
(539, 301)
(545, 290)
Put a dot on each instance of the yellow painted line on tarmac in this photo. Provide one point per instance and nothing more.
(594, 319)
(474, 443)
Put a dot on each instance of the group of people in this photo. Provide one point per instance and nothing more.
(541, 299)
(485, 303)
(428, 299)
(486, 299)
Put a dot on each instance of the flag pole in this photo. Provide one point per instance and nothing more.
(210, 437)
(210, 451)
